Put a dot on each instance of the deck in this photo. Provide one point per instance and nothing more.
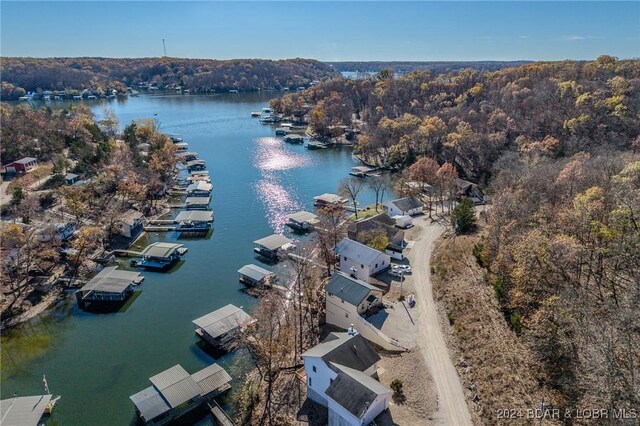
(222, 418)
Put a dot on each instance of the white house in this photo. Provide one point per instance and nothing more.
(340, 376)
(58, 231)
(404, 206)
(129, 224)
(347, 298)
(360, 260)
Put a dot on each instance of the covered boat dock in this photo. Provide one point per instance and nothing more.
(24, 410)
(161, 255)
(196, 221)
(253, 275)
(221, 326)
(174, 392)
(199, 189)
(108, 286)
(269, 246)
(328, 199)
(302, 221)
(197, 203)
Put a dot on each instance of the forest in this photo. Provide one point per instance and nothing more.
(99, 75)
(433, 66)
(557, 147)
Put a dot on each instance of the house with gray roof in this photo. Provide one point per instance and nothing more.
(359, 260)
(346, 298)
(363, 229)
(341, 375)
(408, 206)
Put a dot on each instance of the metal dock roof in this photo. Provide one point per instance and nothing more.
(160, 249)
(176, 385)
(273, 242)
(222, 321)
(149, 403)
(303, 216)
(111, 280)
(200, 186)
(23, 410)
(211, 378)
(194, 216)
(254, 272)
(197, 201)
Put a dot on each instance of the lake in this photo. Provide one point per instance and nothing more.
(96, 361)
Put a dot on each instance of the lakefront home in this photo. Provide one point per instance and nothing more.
(408, 206)
(383, 224)
(359, 260)
(22, 165)
(471, 190)
(129, 224)
(347, 298)
(56, 231)
(341, 375)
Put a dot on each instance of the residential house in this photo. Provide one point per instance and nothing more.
(404, 206)
(363, 229)
(130, 223)
(471, 190)
(57, 231)
(347, 298)
(22, 165)
(71, 178)
(360, 260)
(341, 375)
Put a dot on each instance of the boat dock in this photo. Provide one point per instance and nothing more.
(126, 253)
(221, 417)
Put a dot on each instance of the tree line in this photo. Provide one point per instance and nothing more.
(102, 75)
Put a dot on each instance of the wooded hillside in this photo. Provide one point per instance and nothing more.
(102, 74)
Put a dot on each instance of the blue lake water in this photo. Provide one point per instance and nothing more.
(96, 361)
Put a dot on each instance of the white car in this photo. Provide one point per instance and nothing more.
(396, 273)
(406, 269)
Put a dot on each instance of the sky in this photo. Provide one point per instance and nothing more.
(327, 31)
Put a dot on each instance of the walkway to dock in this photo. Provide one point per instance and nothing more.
(222, 419)
(127, 253)
(159, 228)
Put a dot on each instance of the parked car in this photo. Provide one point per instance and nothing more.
(396, 273)
(405, 268)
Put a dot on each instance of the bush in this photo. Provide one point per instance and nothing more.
(463, 218)
(396, 386)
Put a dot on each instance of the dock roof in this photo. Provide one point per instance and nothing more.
(176, 385)
(348, 288)
(195, 162)
(197, 201)
(363, 169)
(200, 186)
(303, 216)
(111, 280)
(194, 216)
(329, 198)
(23, 410)
(160, 249)
(254, 272)
(211, 378)
(273, 242)
(222, 321)
(149, 403)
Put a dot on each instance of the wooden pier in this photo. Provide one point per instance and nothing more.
(222, 418)
(159, 228)
(126, 253)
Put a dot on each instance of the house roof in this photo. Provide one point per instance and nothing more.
(149, 403)
(175, 385)
(303, 216)
(70, 176)
(349, 289)
(23, 410)
(349, 351)
(254, 272)
(130, 217)
(200, 186)
(355, 391)
(407, 203)
(160, 249)
(382, 222)
(357, 251)
(111, 280)
(211, 378)
(222, 321)
(25, 160)
(273, 242)
(194, 216)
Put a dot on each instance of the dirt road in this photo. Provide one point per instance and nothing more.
(452, 406)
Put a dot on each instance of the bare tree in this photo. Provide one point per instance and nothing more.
(351, 187)
(379, 185)
(330, 231)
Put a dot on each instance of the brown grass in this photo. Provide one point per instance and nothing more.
(30, 178)
(495, 366)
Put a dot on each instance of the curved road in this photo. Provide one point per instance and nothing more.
(452, 405)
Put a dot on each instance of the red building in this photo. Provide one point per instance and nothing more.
(23, 165)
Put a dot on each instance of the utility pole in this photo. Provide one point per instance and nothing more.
(164, 47)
